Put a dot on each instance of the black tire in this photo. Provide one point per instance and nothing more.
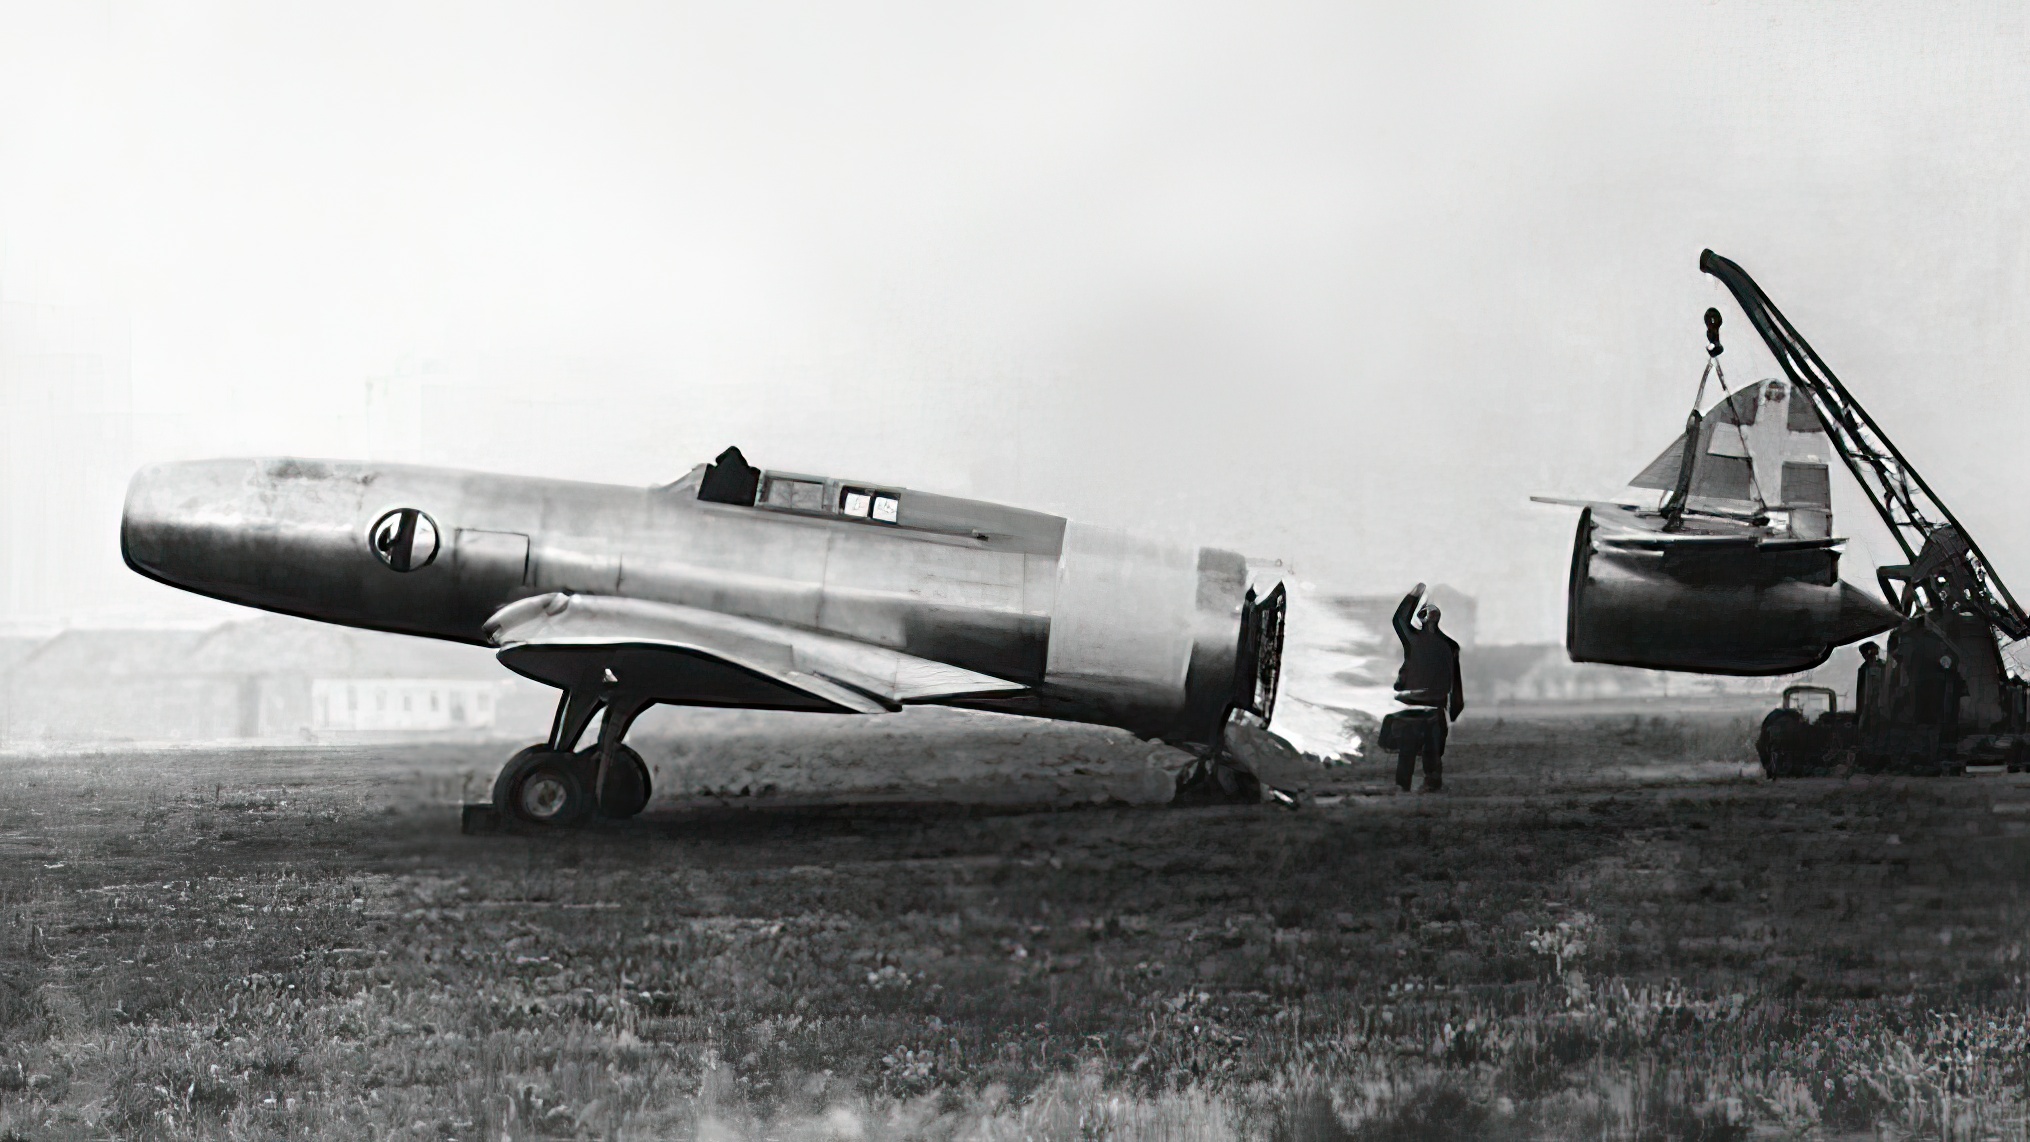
(1782, 739)
(588, 763)
(1773, 763)
(542, 786)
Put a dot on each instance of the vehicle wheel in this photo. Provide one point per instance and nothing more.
(631, 801)
(542, 786)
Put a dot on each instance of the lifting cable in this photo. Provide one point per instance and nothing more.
(1674, 509)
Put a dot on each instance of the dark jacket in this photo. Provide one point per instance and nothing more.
(1430, 673)
(1935, 679)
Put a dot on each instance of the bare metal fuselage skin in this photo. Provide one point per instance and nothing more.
(1637, 597)
(1100, 626)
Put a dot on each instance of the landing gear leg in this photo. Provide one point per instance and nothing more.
(620, 782)
(549, 784)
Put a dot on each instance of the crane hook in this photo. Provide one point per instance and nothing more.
(1713, 333)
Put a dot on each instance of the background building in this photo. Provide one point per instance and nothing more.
(268, 679)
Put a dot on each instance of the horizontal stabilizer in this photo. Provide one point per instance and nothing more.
(1560, 501)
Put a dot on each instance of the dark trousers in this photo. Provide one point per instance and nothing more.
(1434, 766)
(1430, 745)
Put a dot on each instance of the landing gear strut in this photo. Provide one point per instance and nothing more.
(550, 784)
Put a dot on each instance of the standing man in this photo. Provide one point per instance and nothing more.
(1869, 684)
(1896, 695)
(1428, 682)
(1937, 685)
(1954, 687)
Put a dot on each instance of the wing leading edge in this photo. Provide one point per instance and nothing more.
(689, 656)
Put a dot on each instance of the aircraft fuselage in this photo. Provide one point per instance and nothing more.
(1098, 625)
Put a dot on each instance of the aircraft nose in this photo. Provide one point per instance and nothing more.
(176, 514)
(331, 540)
(263, 532)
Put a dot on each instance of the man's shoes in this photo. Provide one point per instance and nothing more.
(1428, 788)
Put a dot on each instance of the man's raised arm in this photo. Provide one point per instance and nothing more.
(1404, 610)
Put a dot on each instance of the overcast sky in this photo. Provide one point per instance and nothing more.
(1342, 283)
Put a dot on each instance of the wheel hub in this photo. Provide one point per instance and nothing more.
(544, 796)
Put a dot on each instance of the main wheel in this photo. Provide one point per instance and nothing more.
(543, 787)
(629, 797)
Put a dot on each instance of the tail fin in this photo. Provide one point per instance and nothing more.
(1761, 448)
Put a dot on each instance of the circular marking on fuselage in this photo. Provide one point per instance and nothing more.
(405, 539)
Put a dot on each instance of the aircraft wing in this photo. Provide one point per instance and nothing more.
(692, 656)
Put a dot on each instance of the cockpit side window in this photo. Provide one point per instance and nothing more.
(870, 504)
(796, 495)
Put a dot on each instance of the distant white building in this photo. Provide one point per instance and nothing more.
(350, 705)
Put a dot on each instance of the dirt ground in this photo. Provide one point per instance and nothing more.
(1606, 927)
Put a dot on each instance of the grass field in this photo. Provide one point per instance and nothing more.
(1602, 930)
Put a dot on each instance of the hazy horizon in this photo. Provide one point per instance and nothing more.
(1338, 284)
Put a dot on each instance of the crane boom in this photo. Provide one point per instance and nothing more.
(1947, 570)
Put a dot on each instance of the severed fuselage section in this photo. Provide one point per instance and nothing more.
(1737, 570)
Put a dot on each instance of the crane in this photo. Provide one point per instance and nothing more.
(1952, 598)
(1946, 572)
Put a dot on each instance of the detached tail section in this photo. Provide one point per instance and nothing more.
(1709, 604)
(1744, 579)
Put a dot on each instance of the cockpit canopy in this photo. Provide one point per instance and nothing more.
(730, 479)
(927, 516)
